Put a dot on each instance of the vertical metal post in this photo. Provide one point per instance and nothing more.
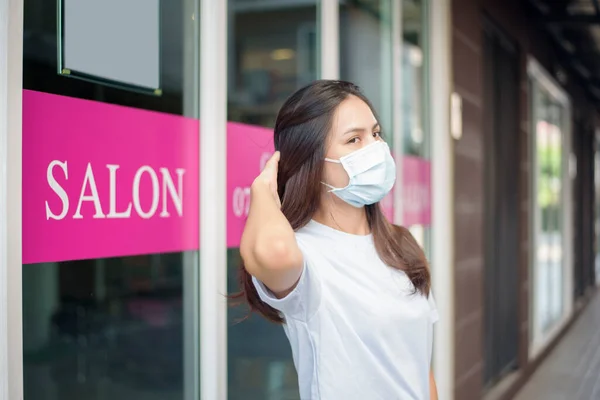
(190, 260)
(442, 209)
(398, 109)
(329, 33)
(213, 192)
(11, 319)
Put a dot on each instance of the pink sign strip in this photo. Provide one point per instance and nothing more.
(102, 181)
(416, 191)
(248, 149)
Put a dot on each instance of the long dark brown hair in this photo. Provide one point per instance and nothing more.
(301, 134)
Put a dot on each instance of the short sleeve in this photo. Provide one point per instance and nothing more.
(303, 301)
(435, 316)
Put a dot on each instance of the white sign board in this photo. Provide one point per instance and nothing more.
(113, 40)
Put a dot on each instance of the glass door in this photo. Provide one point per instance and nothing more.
(110, 200)
(550, 207)
(272, 52)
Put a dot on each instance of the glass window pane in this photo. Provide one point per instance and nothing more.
(557, 176)
(414, 78)
(548, 208)
(272, 52)
(366, 54)
(106, 328)
(366, 60)
(415, 120)
(116, 326)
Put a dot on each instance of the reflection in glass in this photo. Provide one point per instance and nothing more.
(107, 329)
(549, 234)
(272, 53)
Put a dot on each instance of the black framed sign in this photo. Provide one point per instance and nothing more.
(111, 42)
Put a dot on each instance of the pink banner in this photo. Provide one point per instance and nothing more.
(101, 180)
(248, 149)
(416, 191)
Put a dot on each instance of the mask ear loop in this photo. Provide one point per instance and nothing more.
(327, 184)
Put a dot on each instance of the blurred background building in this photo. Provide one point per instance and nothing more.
(491, 108)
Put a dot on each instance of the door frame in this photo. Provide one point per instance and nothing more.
(11, 89)
(442, 202)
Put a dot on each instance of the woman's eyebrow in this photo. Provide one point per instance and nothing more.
(356, 129)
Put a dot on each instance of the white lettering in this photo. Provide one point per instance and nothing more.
(238, 201)
(241, 201)
(176, 197)
(136, 192)
(55, 186)
(171, 192)
(247, 200)
(89, 180)
(112, 212)
(264, 157)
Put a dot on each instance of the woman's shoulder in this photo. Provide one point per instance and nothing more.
(314, 241)
(310, 230)
(317, 235)
(308, 236)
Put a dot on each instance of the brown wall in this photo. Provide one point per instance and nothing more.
(467, 77)
(467, 64)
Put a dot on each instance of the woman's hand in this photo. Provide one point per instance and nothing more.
(268, 247)
(268, 177)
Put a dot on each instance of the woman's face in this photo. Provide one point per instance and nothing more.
(353, 127)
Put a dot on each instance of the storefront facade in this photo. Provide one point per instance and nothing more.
(126, 184)
(522, 177)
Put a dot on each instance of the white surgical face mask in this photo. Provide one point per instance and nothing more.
(372, 174)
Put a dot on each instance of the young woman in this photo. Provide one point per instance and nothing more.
(351, 290)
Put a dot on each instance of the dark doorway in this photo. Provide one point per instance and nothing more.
(502, 159)
(583, 146)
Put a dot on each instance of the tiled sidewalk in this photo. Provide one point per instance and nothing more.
(572, 370)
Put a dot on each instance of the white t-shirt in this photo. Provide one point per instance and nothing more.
(355, 328)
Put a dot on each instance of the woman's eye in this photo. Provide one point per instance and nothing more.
(377, 134)
(354, 140)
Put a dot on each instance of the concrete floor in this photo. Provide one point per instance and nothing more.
(572, 370)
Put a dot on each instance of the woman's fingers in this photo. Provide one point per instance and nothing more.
(272, 166)
(273, 162)
(268, 176)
